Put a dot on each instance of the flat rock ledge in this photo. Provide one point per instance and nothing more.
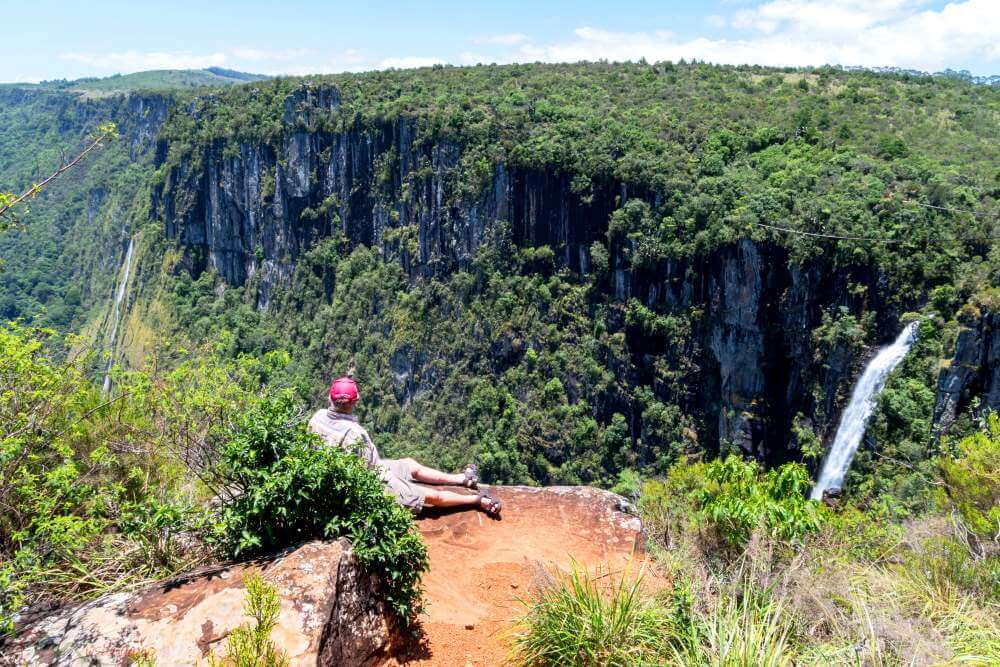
(329, 615)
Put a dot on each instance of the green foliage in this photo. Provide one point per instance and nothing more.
(86, 503)
(844, 330)
(250, 645)
(696, 157)
(971, 475)
(94, 492)
(50, 275)
(808, 443)
(9, 202)
(668, 506)
(728, 501)
(282, 487)
(738, 499)
(744, 627)
(579, 621)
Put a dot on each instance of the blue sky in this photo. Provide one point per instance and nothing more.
(47, 39)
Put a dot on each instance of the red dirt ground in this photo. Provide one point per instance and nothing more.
(480, 567)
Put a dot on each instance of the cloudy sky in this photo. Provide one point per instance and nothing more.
(69, 39)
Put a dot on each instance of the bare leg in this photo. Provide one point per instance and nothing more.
(422, 473)
(444, 498)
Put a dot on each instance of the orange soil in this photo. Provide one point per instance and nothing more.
(480, 567)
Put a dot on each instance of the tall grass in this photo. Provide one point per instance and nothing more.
(745, 626)
(932, 587)
(579, 621)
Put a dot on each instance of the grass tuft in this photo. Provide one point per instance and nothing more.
(580, 621)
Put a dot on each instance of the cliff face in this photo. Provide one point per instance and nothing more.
(973, 370)
(250, 209)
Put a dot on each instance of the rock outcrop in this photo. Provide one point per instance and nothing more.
(974, 368)
(329, 615)
(479, 569)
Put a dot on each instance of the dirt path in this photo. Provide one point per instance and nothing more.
(480, 568)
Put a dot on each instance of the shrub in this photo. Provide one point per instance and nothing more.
(251, 645)
(283, 487)
(82, 506)
(668, 506)
(737, 499)
(972, 479)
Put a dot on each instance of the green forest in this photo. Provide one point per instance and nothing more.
(696, 263)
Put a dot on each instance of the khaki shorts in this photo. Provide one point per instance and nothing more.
(402, 486)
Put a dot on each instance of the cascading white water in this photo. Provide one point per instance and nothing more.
(116, 314)
(852, 423)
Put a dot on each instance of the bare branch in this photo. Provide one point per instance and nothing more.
(107, 132)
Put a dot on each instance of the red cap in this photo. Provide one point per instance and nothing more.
(344, 389)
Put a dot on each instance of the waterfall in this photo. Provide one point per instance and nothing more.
(116, 314)
(852, 424)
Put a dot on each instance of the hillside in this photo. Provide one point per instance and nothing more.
(152, 80)
(634, 292)
(596, 252)
(660, 279)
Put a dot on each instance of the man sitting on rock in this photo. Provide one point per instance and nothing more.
(338, 426)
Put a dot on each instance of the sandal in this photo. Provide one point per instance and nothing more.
(471, 473)
(492, 506)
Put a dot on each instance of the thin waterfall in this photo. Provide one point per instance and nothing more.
(116, 314)
(852, 423)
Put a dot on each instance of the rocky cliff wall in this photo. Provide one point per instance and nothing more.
(250, 209)
(973, 371)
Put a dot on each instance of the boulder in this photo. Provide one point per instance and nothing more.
(329, 615)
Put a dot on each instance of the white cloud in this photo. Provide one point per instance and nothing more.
(258, 55)
(473, 58)
(807, 32)
(901, 33)
(409, 62)
(135, 61)
(506, 39)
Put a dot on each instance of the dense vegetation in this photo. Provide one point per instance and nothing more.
(100, 493)
(530, 363)
(541, 373)
(846, 587)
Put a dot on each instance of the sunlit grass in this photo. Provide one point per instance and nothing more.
(580, 620)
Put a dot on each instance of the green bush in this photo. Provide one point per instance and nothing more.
(84, 503)
(738, 499)
(730, 499)
(668, 507)
(283, 487)
(972, 479)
